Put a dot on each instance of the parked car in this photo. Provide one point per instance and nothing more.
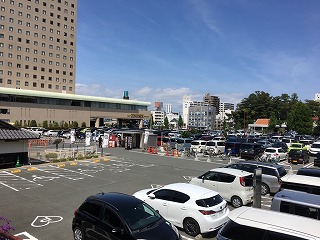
(215, 146)
(298, 146)
(314, 149)
(51, 133)
(264, 143)
(198, 146)
(250, 150)
(235, 186)
(233, 148)
(297, 203)
(289, 141)
(120, 216)
(307, 143)
(271, 174)
(316, 161)
(298, 156)
(193, 208)
(280, 145)
(183, 143)
(276, 153)
(258, 224)
(301, 183)
(313, 172)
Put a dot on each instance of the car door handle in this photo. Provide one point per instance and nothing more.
(183, 208)
(164, 204)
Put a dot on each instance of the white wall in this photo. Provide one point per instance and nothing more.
(12, 147)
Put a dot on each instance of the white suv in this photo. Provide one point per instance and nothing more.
(235, 186)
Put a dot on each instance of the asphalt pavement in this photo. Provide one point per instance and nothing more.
(40, 200)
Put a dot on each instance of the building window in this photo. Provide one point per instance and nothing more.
(34, 76)
(26, 75)
(9, 81)
(57, 87)
(49, 86)
(26, 84)
(18, 82)
(34, 84)
(70, 89)
(57, 79)
(42, 85)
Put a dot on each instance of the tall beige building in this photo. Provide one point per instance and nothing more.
(38, 45)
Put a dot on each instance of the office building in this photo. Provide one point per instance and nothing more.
(213, 101)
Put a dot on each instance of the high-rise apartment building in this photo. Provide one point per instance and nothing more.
(213, 101)
(38, 45)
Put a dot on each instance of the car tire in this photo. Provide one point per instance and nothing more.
(236, 202)
(191, 227)
(264, 189)
(78, 234)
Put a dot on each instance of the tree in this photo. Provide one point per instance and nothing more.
(272, 123)
(45, 124)
(33, 123)
(166, 122)
(180, 122)
(17, 123)
(316, 130)
(74, 124)
(55, 125)
(83, 124)
(300, 118)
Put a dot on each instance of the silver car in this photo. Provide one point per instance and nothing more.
(271, 174)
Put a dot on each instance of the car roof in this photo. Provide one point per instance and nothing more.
(116, 200)
(301, 179)
(236, 172)
(265, 164)
(275, 221)
(298, 197)
(273, 148)
(193, 191)
(308, 171)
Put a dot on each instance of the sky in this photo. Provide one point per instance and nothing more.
(162, 50)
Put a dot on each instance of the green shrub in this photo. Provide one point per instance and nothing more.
(51, 155)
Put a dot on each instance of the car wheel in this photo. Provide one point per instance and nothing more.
(236, 202)
(264, 189)
(78, 233)
(191, 227)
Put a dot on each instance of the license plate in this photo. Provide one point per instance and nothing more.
(294, 160)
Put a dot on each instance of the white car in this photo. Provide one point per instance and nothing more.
(314, 148)
(234, 185)
(196, 209)
(51, 133)
(276, 153)
(198, 146)
(215, 146)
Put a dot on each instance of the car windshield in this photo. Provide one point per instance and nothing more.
(140, 216)
(210, 202)
(194, 143)
(295, 145)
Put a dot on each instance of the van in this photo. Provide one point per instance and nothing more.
(215, 146)
(297, 203)
(301, 183)
(198, 146)
(234, 147)
(313, 172)
(250, 150)
(183, 143)
(257, 224)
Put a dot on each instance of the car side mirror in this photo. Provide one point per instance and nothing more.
(151, 196)
(202, 179)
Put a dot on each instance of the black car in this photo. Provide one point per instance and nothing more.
(122, 217)
(316, 162)
(298, 156)
(250, 150)
(280, 145)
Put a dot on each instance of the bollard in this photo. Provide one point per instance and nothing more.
(196, 156)
(209, 158)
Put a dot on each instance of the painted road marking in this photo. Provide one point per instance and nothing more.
(16, 182)
(41, 221)
(25, 236)
(63, 172)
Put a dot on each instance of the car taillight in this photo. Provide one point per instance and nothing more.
(242, 181)
(76, 211)
(204, 212)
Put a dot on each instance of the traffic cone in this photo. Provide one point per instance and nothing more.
(18, 163)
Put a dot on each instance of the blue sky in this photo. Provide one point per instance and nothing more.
(161, 50)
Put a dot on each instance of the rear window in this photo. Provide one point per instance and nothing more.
(282, 171)
(270, 150)
(180, 141)
(315, 145)
(296, 153)
(210, 144)
(247, 146)
(248, 181)
(210, 202)
(195, 143)
(221, 143)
